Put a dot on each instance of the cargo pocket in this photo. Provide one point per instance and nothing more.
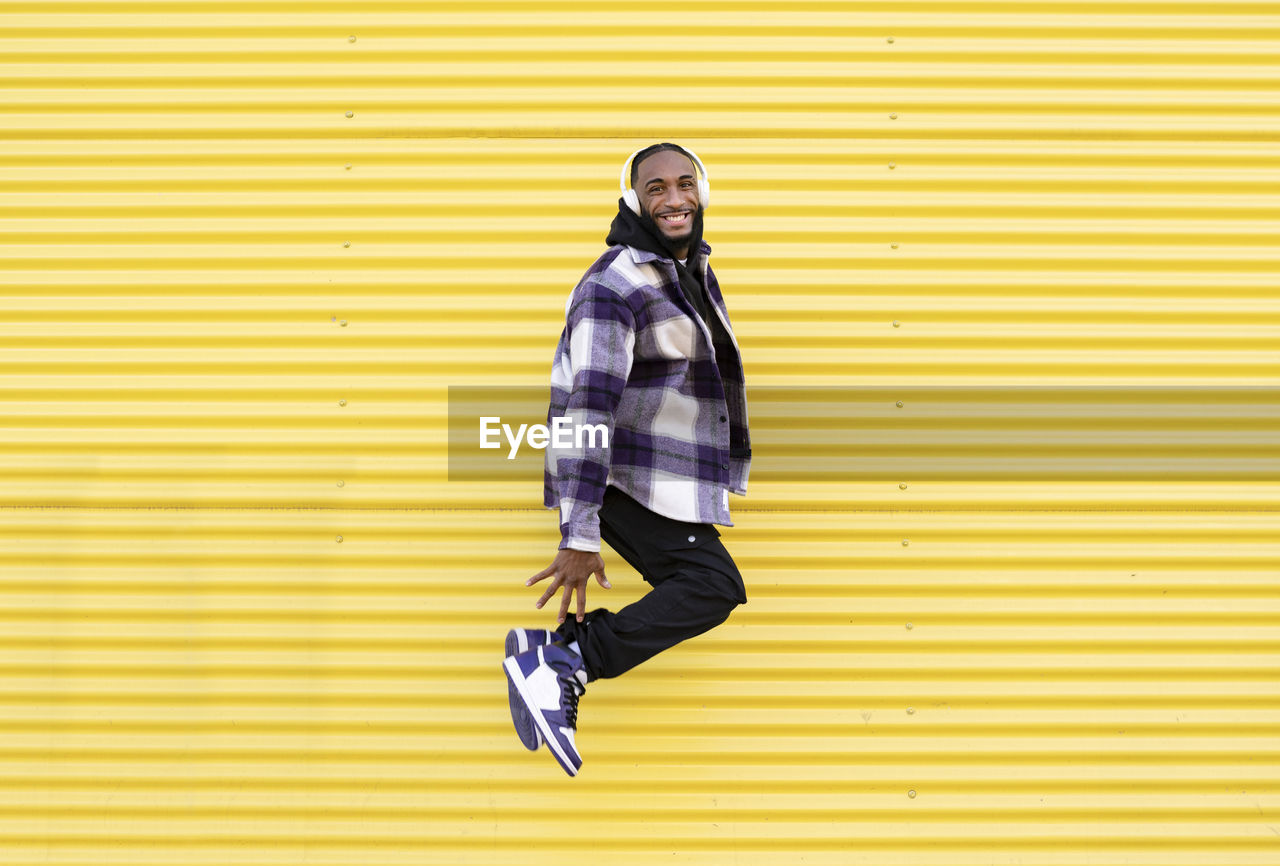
(698, 551)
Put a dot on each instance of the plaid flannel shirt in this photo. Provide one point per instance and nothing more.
(636, 357)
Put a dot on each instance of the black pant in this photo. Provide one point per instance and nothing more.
(695, 587)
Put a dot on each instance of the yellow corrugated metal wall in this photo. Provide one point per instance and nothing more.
(246, 247)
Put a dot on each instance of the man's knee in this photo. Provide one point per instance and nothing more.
(723, 592)
(721, 576)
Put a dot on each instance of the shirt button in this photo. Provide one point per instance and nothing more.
(691, 538)
(724, 465)
(723, 419)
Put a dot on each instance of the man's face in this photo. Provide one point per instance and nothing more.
(668, 191)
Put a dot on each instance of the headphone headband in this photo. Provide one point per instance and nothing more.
(632, 198)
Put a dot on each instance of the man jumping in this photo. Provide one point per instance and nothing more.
(647, 351)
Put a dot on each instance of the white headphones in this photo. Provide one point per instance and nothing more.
(633, 200)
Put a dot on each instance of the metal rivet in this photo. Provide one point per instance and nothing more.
(911, 711)
(691, 538)
(902, 486)
(897, 324)
(893, 246)
(341, 483)
(893, 117)
(343, 323)
(351, 114)
(344, 402)
(899, 404)
(910, 626)
(338, 539)
(893, 165)
(346, 244)
(911, 794)
(353, 39)
(906, 542)
(890, 39)
(347, 166)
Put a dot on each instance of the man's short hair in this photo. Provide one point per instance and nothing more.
(650, 151)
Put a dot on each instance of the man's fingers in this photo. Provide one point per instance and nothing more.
(564, 602)
(582, 600)
(602, 580)
(551, 590)
(546, 572)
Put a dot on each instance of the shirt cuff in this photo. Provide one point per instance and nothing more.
(585, 538)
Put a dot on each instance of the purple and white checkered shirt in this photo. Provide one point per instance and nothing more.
(636, 357)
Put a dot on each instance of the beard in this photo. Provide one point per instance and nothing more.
(673, 241)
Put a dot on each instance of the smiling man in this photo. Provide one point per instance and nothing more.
(648, 351)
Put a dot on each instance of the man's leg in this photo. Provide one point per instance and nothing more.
(695, 587)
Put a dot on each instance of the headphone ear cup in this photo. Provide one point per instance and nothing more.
(704, 193)
(632, 200)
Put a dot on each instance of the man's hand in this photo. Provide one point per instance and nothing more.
(572, 569)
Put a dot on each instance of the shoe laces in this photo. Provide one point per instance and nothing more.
(570, 691)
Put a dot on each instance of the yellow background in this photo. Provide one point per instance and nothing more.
(244, 622)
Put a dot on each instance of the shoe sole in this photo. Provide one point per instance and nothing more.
(526, 727)
(516, 678)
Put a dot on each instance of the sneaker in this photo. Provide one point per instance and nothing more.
(549, 680)
(522, 640)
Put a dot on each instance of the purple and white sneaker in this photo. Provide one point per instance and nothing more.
(522, 640)
(549, 680)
